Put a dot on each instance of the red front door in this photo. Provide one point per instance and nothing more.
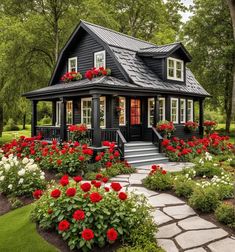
(135, 120)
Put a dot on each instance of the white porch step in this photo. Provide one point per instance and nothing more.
(142, 162)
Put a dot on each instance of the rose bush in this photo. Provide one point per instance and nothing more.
(165, 128)
(20, 177)
(210, 126)
(191, 126)
(94, 215)
(79, 133)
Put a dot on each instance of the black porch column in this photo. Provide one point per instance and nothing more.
(53, 112)
(63, 126)
(201, 117)
(95, 120)
(156, 110)
(168, 108)
(34, 118)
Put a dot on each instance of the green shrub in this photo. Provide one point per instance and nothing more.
(183, 186)
(204, 199)
(225, 213)
(147, 247)
(232, 163)
(45, 121)
(15, 203)
(208, 169)
(11, 125)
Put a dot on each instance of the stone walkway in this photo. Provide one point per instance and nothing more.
(179, 227)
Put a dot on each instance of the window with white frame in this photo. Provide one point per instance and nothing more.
(58, 113)
(72, 64)
(151, 103)
(69, 112)
(162, 109)
(122, 114)
(174, 110)
(182, 110)
(99, 59)
(86, 106)
(175, 69)
(189, 110)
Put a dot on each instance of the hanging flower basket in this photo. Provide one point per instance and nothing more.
(96, 72)
(165, 128)
(71, 76)
(190, 126)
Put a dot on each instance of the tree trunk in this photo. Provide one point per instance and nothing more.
(24, 121)
(1, 119)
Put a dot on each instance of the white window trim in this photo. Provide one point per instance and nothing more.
(123, 124)
(67, 112)
(164, 108)
(191, 112)
(149, 100)
(177, 110)
(58, 113)
(182, 69)
(104, 58)
(90, 99)
(69, 64)
(184, 107)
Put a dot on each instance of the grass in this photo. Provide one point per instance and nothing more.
(18, 233)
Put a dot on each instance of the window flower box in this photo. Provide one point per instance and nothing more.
(96, 72)
(71, 76)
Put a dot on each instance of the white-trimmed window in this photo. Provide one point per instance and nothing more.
(86, 106)
(72, 64)
(69, 112)
(174, 110)
(162, 109)
(100, 59)
(58, 113)
(175, 69)
(122, 114)
(151, 103)
(189, 110)
(182, 110)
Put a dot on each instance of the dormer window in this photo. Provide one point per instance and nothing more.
(175, 69)
(72, 64)
(99, 59)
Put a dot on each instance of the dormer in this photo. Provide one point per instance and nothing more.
(167, 61)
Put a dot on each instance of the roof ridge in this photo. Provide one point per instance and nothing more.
(120, 33)
(173, 43)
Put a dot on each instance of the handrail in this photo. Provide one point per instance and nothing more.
(121, 143)
(156, 134)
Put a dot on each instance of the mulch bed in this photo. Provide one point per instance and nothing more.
(5, 205)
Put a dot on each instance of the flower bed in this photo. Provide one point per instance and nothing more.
(166, 128)
(79, 133)
(89, 215)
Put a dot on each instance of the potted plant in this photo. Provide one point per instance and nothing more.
(190, 126)
(165, 128)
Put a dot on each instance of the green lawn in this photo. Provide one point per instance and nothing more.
(18, 233)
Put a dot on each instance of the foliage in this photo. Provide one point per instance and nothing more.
(204, 199)
(71, 76)
(225, 213)
(210, 126)
(45, 121)
(15, 202)
(86, 214)
(232, 163)
(11, 125)
(191, 126)
(158, 179)
(18, 177)
(165, 128)
(183, 185)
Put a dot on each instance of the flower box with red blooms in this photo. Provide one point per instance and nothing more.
(96, 72)
(210, 126)
(165, 128)
(89, 215)
(79, 133)
(191, 126)
(71, 76)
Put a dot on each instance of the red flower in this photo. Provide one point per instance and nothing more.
(64, 180)
(63, 225)
(108, 164)
(122, 196)
(55, 193)
(59, 161)
(87, 234)
(112, 234)
(164, 172)
(77, 179)
(106, 189)
(86, 187)
(95, 197)
(79, 215)
(116, 186)
(105, 179)
(71, 192)
(98, 158)
(49, 211)
(165, 142)
(37, 194)
(81, 158)
(97, 184)
(99, 176)
(116, 154)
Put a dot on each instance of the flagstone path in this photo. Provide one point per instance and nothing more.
(179, 227)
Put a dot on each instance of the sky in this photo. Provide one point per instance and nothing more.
(186, 15)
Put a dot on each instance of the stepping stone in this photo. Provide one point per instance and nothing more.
(119, 179)
(160, 218)
(179, 212)
(192, 239)
(168, 245)
(141, 190)
(196, 250)
(164, 199)
(195, 223)
(123, 176)
(141, 171)
(136, 178)
(168, 231)
(226, 244)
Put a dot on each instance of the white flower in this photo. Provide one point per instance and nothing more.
(187, 175)
(7, 167)
(21, 181)
(10, 186)
(4, 159)
(25, 160)
(21, 172)
(2, 178)
(204, 176)
(31, 161)
(133, 210)
(42, 177)
(1, 172)
(10, 156)
(230, 159)
(32, 167)
(215, 164)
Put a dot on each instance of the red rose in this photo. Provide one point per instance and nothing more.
(71, 192)
(87, 234)
(105, 179)
(116, 186)
(95, 197)
(37, 194)
(97, 158)
(64, 180)
(49, 211)
(122, 196)
(108, 164)
(97, 184)
(59, 161)
(116, 154)
(112, 234)
(55, 193)
(86, 187)
(106, 189)
(99, 176)
(164, 172)
(93, 182)
(63, 225)
(81, 158)
(77, 179)
(79, 215)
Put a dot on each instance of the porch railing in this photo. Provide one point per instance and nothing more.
(157, 139)
(120, 143)
(108, 134)
(48, 132)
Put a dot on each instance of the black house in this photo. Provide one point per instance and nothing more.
(148, 83)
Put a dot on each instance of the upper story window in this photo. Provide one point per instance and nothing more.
(122, 115)
(174, 110)
(175, 69)
(99, 59)
(190, 110)
(182, 111)
(72, 64)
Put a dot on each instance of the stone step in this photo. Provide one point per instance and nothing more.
(144, 155)
(141, 151)
(151, 161)
(138, 145)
